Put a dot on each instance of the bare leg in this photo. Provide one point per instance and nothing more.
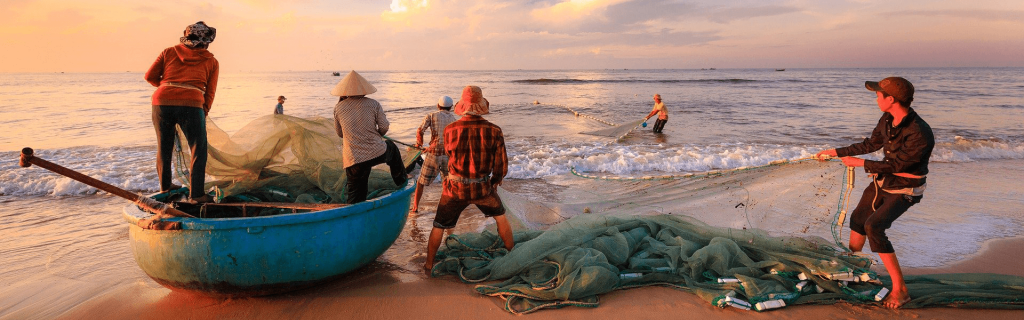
(505, 232)
(899, 294)
(416, 199)
(432, 244)
(856, 241)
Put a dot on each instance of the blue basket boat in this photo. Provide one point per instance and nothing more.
(233, 257)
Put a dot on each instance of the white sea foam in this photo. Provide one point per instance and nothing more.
(132, 168)
(532, 160)
(126, 168)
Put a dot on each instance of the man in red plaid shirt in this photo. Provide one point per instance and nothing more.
(477, 163)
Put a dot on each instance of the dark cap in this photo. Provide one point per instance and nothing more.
(281, 98)
(897, 87)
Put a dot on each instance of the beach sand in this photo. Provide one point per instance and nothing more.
(368, 294)
(100, 280)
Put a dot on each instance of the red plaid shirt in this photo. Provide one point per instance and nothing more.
(475, 149)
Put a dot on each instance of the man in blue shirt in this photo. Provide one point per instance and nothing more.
(279, 108)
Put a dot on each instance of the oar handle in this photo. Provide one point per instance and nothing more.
(28, 159)
(403, 143)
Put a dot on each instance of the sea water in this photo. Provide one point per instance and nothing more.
(100, 124)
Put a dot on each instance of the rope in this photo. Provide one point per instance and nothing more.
(581, 115)
(403, 143)
(701, 175)
(844, 202)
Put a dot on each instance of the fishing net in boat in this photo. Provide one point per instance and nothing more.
(281, 158)
(750, 238)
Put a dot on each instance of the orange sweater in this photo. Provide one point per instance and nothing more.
(178, 72)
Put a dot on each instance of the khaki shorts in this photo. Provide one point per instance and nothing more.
(433, 165)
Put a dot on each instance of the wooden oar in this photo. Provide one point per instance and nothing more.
(28, 159)
(404, 144)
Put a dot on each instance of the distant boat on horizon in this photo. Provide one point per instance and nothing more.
(336, 74)
(780, 69)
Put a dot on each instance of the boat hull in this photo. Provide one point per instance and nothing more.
(267, 255)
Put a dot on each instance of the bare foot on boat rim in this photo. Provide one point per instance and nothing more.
(896, 300)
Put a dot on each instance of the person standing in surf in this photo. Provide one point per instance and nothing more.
(661, 111)
(898, 180)
(279, 108)
(434, 159)
(186, 79)
(477, 164)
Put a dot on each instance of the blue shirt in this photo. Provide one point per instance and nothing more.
(279, 109)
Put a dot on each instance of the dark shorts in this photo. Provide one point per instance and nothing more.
(449, 209)
(872, 222)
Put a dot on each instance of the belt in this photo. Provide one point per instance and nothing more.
(181, 85)
(908, 175)
(910, 191)
(460, 179)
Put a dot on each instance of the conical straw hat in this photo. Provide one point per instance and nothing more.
(353, 84)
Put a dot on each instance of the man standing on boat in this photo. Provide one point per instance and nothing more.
(477, 163)
(661, 111)
(279, 108)
(435, 161)
(361, 123)
(898, 179)
(186, 79)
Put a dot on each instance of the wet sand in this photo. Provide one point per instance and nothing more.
(91, 274)
(396, 294)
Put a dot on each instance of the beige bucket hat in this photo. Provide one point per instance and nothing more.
(353, 84)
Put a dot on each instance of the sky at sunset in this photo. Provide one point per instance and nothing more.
(308, 35)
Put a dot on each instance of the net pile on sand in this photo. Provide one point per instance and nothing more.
(751, 239)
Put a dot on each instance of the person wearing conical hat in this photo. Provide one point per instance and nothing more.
(477, 164)
(361, 124)
(434, 159)
(186, 79)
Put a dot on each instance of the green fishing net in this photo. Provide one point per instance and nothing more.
(281, 158)
(751, 238)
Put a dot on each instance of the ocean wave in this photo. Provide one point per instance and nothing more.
(131, 168)
(540, 160)
(543, 81)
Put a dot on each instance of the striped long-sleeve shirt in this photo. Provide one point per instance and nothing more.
(436, 122)
(360, 122)
(475, 149)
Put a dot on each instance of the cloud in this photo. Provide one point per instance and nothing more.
(572, 11)
(1015, 16)
(489, 34)
(406, 5)
(726, 15)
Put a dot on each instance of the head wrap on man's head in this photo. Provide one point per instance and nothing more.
(198, 35)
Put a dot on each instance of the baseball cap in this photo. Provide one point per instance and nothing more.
(897, 87)
(445, 102)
